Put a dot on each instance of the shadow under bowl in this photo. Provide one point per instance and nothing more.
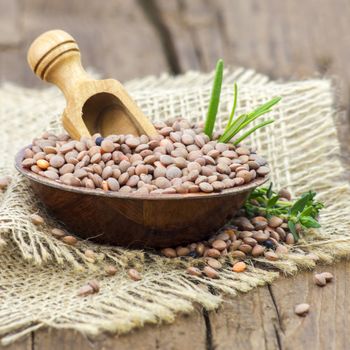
(159, 220)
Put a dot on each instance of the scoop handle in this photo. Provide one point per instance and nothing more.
(54, 56)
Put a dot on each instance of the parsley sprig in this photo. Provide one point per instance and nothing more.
(302, 212)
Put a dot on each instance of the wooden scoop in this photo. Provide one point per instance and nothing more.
(93, 106)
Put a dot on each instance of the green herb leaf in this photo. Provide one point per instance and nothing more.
(307, 211)
(261, 110)
(309, 222)
(233, 129)
(293, 230)
(246, 134)
(300, 204)
(265, 201)
(269, 191)
(235, 94)
(272, 201)
(215, 99)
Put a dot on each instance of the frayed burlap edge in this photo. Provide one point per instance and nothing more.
(39, 284)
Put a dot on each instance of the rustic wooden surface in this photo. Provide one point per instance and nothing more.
(261, 319)
(284, 39)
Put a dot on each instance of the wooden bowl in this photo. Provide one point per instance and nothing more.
(114, 218)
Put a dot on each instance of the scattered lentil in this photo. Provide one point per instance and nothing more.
(58, 233)
(320, 280)
(239, 267)
(134, 275)
(37, 219)
(194, 271)
(111, 270)
(210, 272)
(85, 290)
(70, 240)
(328, 276)
(302, 309)
(215, 264)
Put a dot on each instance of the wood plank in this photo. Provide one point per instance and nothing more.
(265, 318)
(274, 37)
(261, 319)
(329, 318)
(22, 344)
(246, 322)
(115, 38)
(186, 333)
(10, 26)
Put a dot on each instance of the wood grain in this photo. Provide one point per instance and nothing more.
(284, 39)
(10, 16)
(116, 36)
(261, 319)
(186, 333)
(265, 318)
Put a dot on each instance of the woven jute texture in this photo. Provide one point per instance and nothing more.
(40, 275)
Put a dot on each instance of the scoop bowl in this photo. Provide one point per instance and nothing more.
(156, 220)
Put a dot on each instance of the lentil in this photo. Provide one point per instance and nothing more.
(302, 309)
(320, 280)
(239, 267)
(37, 219)
(70, 240)
(194, 271)
(134, 275)
(210, 272)
(181, 151)
(111, 270)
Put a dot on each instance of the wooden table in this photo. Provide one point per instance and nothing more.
(284, 39)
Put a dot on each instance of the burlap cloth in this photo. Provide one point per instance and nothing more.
(40, 275)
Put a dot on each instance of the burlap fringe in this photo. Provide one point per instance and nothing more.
(40, 276)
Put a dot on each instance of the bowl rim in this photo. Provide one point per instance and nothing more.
(110, 194)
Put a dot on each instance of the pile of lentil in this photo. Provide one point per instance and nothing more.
(243, 238)
(240, 240)
(179, 159)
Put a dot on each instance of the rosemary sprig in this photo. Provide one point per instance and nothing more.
(302, 213)
(234, 126)
(235, 95)
(229, 133)
(215, 99)
(250, 131)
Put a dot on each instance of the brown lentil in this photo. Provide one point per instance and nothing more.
(37, 219)
(320, 280)
(269, 255)
(180, 151)
(210, 272)
(328, 276)
(194, 271)
(239, 267)
(70, 240)
(134, 275)
(215, 264)
(169, 252)
(302, 309)
(58, 233)
(219, 244)
(111, 270)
